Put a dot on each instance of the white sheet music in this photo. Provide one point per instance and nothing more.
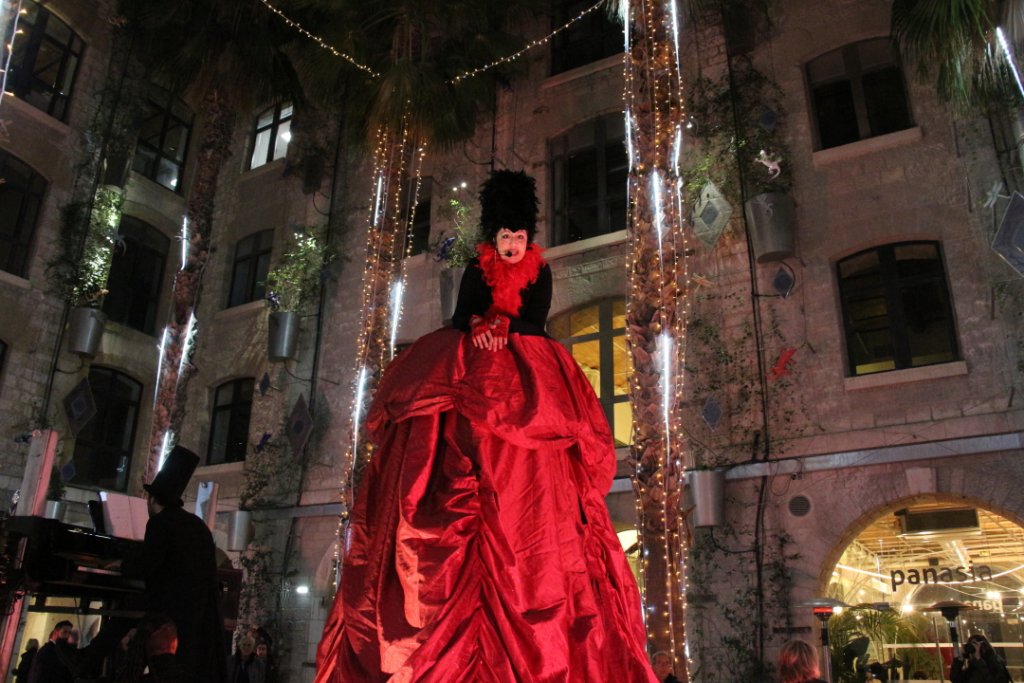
(124, 516)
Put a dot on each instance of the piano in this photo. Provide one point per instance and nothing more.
(64, 561)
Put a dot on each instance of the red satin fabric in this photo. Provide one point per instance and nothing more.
(480, 548)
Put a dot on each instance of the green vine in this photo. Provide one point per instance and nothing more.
(86, 247)
(296, 281)
(456, 248)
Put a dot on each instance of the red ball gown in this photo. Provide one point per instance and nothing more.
(479, 547)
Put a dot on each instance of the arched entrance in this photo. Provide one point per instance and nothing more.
(906, 559)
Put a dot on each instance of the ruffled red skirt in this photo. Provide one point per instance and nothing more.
(480, 548)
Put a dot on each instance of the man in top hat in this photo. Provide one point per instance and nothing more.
(178, 564)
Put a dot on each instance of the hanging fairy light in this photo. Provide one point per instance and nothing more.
(508, 59)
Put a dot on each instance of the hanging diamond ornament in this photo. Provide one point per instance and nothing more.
(712, 413)
(711, 215)
(783, 282)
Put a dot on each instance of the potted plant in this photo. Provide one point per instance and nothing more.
(82, 265)
(453, 250)
(292, 286)
(737, 123)
(55, 493)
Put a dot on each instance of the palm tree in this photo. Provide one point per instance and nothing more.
(228, 54)
(957, 44)
(657, 306)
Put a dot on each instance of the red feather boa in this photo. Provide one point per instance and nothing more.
(508, 280)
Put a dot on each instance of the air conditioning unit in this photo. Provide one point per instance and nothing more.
(938, 522)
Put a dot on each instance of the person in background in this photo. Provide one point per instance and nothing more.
(25, 664)
(244, 666)
(50, 664)
(978, 663)
(798, 663)
(661, 662)
(269, 668)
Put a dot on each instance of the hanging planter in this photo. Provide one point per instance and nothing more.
(707, 491)
(54, 510)
(85, 330)
(283, 336)
(771, 218)
(450, 280)
(239, 529)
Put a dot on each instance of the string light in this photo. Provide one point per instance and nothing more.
(455, 79)
(320, 41)
(529, 46)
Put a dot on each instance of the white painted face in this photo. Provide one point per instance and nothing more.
(511, 245)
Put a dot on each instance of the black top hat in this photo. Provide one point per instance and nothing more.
(170, 482)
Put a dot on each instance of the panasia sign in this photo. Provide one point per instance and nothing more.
(940, 575)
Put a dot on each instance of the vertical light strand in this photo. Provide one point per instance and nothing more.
(10, 12)
(657, 308)
(388, 223)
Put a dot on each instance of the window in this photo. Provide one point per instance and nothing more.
(21, 194)
(229, 423)
(273, 131)
(857, 92)
(103, 449)
(163, 138)
(589, 174)
(136, 273)
(596, 338)
(44, 60)
(593, 37)
(252, 263)
(896, 308)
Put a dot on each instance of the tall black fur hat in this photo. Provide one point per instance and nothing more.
(508, 199)
(172, 479)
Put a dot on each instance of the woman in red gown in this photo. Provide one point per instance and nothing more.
(480, 548)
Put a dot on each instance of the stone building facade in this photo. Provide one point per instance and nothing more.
(813, 450)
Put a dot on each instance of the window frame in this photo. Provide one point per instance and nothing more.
(891, 285)
(594, 29)
(238, 413)
(23, 80)
(104, 396)
(161, 104)
(146, 240)
(255, 288)
(277, 121)
(560, 152)
(21, 241)
(854, 73)
(605, 336)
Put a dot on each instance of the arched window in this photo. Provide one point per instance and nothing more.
(589, 172)
(857, 92)
(163, 138)
(136, 273)
(896, 308)
(596, 337)
(229, 422)
(103, 448)
(252, 263)
(21, 195)
(44, 60)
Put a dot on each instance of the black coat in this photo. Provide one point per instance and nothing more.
(475, 299)
(50, 665)
(990, 670)
(25, 665)
(178, 563)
